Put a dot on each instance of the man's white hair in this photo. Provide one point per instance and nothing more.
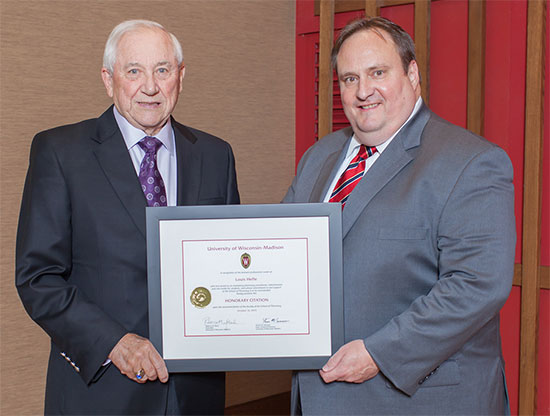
(111, 47)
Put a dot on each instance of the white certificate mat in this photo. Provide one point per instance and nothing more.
(238, 291)
(244, 287)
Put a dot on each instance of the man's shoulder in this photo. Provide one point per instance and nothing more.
(332, 142)
(71, 133)
(70, 130)
(197, 136)
(451, 145)
(452, 136)
(68, 139)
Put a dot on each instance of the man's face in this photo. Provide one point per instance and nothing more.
(146, 79)
(377, 95)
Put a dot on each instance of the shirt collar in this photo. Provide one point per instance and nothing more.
(132, 135)
(380, 148)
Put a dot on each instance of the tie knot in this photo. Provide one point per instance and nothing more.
(150, 144)
(366, 151)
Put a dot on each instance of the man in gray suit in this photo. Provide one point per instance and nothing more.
(428, 243)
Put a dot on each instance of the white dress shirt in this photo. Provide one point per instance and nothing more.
(166, 154)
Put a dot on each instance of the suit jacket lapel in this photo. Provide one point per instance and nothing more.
(189, 165)
(326, 175)
(394, 158)
(115, 161)
(330, 166)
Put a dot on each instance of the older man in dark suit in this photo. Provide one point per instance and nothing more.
(428, 242)
(81, 249)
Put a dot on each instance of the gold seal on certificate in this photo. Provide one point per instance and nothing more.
(245, 260)
(200, 297)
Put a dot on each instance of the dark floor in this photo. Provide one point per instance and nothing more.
(272, 405)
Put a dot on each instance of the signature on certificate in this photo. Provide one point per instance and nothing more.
(274, 320)
(218, 324)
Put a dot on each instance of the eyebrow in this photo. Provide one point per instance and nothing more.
(165, 63)
(345, 74)
(369, 69)
(378, 66)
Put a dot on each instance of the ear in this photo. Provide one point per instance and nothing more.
(107, 81)
(413, 74)
(181, 75)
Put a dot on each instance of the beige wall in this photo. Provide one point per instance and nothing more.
(239, 85)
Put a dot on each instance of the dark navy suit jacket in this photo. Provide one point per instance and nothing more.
(81, 260)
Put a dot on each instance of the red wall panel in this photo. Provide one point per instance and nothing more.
(449, 60)
(543, 374)
(402, 15)
(305, 92)
(505, 50)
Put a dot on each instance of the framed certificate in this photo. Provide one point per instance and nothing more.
(245, 287)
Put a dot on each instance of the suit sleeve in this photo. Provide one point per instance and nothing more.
(232, 189)
(476, 248)
(77, 326)
(291, 194)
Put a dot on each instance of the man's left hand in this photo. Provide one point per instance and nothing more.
(351, 363)
(133, 353)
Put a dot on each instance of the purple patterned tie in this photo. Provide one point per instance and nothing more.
(149, 175)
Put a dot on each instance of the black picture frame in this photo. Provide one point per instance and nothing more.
(265, 212)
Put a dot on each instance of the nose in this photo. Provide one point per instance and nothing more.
(149, 85)
(364, 88)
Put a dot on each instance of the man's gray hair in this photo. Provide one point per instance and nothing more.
(110, 53)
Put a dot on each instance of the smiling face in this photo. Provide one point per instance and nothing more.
(146, 79)
(377, 95)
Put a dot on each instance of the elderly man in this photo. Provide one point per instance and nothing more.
(429, 236)
(81, 248)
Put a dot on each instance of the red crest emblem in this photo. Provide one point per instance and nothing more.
(246, 260)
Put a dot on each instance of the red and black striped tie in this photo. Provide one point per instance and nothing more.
(351, 176)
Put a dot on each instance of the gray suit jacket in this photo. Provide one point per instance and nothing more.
(428, 242)
(81, 261)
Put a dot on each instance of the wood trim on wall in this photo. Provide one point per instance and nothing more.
(544, 273)
(532, 201)
(476, 66)
(387, 3)
(326, 40)
(422, 19)
(371, 8)
(341, 6)
(354, 5)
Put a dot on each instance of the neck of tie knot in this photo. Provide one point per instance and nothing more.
(352, 175)
(366, 151)
(150, 144)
